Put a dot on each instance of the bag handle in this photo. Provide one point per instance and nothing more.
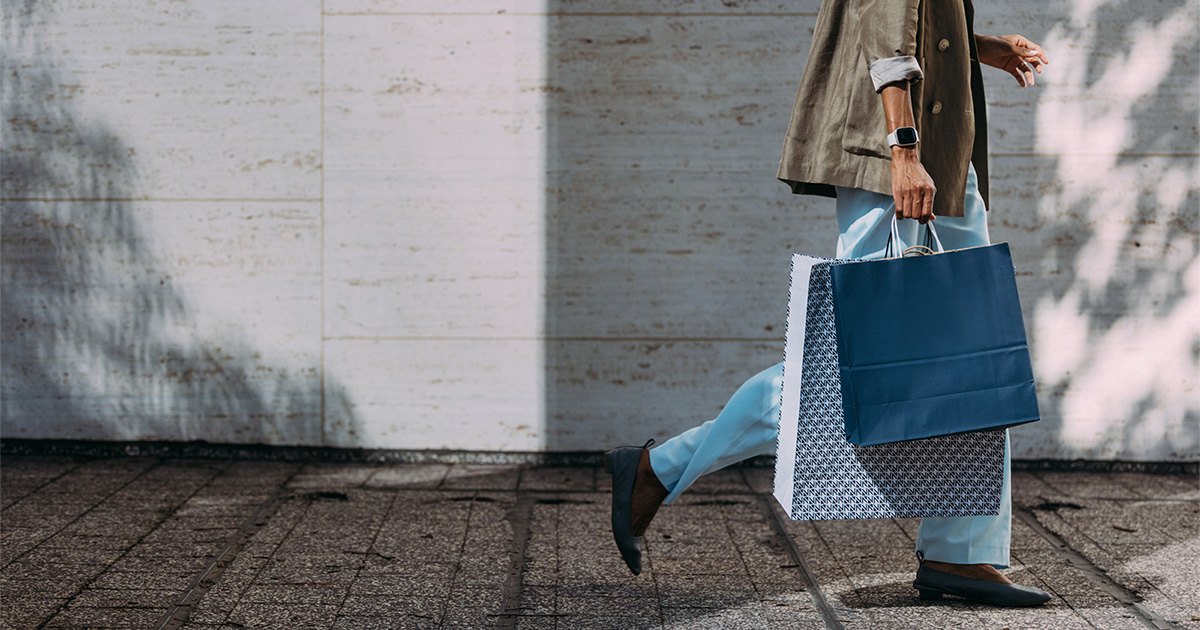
(933, 244)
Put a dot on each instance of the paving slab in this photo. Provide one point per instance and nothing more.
(121, 542)
(19, 611)
(408, 477)
(469, 476)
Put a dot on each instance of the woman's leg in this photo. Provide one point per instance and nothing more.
(642, 481)
(864, 222)
(746, 427)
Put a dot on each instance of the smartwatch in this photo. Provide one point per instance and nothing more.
(904, 137)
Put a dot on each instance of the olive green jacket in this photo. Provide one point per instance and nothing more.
(838, 132)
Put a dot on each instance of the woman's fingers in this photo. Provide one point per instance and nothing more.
(1033, 50)
(1026, 59)
(914, 202)
(1022, 71)
(912, 191)
(927, 207)
(1019, 77)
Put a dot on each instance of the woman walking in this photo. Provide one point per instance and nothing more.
(889, 120)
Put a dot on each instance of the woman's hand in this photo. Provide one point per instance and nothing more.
(1013, 54)
(912, 187)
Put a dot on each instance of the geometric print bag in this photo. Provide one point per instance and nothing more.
(820, 475)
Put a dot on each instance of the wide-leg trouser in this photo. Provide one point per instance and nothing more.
(748, 425)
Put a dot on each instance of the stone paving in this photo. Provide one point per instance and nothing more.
(212, 544)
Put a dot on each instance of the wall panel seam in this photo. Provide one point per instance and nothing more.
(576, 339)
(563, 14)
(158, 200)
(321, 258)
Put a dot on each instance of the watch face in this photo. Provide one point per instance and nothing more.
(906, 135)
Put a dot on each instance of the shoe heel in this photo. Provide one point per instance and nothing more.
(929, 594)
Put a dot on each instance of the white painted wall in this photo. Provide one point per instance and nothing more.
(534, 224)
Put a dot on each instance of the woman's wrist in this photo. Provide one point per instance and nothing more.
(903, 154)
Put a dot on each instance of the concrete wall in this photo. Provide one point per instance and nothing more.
(534, 224)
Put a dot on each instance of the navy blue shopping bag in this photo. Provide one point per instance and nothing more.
(931, 345)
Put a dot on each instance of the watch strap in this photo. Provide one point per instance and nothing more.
(895, 139)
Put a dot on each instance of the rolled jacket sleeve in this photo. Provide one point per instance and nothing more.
(837, 136)
(888, 39)
(894, 70)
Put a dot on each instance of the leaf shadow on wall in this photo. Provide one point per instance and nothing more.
(1112, 272)
(99, 341)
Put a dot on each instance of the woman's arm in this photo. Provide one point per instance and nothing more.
(888, 43)
(912, 187)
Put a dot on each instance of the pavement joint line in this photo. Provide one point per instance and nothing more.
(733, 541)
(370, 550)
(462, 550)
(828, 615)
(1095, 574)
(178, 613)
(658, 591)
(521, 519)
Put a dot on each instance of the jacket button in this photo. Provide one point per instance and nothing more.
(944, 45)
(937, 107)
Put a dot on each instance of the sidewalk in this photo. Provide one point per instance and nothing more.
(210, 544)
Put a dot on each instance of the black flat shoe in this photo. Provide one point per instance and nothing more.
(622, 464)
(932, 584)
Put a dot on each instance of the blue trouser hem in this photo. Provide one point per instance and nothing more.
(961, 554)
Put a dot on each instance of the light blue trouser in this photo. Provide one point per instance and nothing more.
(749, 423)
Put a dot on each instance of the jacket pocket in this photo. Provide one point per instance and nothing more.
(865, 130)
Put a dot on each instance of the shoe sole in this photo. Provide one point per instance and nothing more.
(932, 595)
